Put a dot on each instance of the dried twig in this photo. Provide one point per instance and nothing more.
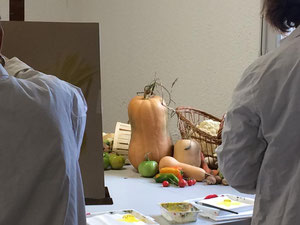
(157, 88)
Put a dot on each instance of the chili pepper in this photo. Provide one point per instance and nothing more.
(211, 196)
(221, 175)
(177, 171)
(171, 178)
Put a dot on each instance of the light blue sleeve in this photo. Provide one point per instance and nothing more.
(79, 114)
(243, 146)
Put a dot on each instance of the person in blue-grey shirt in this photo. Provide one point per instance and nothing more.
(42, 121)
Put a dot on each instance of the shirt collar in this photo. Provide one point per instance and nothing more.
(14, 66)
(293, 35)
(3, 73)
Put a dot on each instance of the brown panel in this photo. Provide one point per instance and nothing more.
(71, 52)
(16, 10)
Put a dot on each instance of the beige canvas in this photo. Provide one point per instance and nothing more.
(69, 51)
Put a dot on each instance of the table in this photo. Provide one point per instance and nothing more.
(131, 191)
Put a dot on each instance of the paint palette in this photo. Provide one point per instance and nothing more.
(224, 207)
(120, 217)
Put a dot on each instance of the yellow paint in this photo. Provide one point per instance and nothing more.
(228, 203)
(129, 218)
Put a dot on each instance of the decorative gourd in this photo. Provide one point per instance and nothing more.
(189, 171)
(188, 151)
(148, 118)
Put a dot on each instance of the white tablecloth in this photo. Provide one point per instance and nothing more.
(131, 191)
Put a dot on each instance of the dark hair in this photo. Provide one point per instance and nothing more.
(282, 14)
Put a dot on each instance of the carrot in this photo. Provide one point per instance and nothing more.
(204, 165)
(214, 172)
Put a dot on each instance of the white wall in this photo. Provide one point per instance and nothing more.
(4, 13)
(205, 43)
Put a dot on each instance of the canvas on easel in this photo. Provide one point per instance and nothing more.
(69, 51)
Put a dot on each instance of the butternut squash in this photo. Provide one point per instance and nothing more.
(149, 134)
(189, 171)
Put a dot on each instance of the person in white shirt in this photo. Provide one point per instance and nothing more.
(260, 151)
(42, 122)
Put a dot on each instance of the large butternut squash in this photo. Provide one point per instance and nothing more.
(148, 118)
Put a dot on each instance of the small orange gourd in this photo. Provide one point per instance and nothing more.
(188, 151)
(148, 118)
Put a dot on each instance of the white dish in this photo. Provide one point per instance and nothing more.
(119, 217)
(243, 206)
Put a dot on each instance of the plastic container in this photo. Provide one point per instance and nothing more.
(179, 212)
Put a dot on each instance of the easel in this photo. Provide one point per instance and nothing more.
(91, 160)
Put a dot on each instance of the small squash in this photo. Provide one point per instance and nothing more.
(188, 151)
(149, 134)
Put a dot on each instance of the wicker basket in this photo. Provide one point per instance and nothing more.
(188, 119)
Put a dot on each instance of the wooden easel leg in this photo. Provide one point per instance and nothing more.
(107, 200)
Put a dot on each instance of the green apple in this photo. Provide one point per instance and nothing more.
(106, 163)
(148, 168)
(116, 161)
